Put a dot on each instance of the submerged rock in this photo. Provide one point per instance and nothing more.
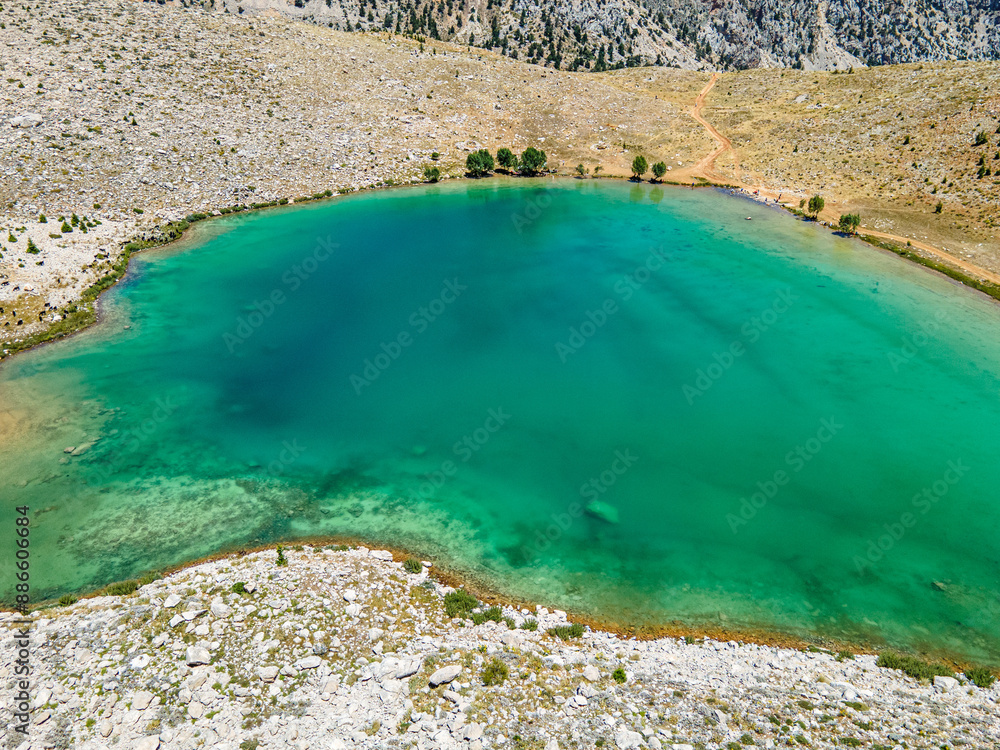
(603, 511)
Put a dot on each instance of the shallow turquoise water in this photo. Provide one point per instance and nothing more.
(461, 369)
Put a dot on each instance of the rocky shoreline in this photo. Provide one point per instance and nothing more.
(346, 648)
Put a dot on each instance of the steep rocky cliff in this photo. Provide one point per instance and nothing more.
(692, 34)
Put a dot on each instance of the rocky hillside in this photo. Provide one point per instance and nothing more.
(691, 34)
(342, 648)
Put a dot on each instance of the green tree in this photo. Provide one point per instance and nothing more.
(432, 174)
(479, 163)
(581, 170)
(506, 159)
(981, 138)
(597, 170)
(533, 160)
(816, 204)
(659, 169)
(849, 223)
(32, 247)
(639, 166)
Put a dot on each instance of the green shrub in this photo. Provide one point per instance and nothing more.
(32, 248)
(981, 138)
(138, 210)
(530, 624)
(494, 614)
(509, 622)
(851, 741)
(249, 744)
(619, 676)
(844, 656)
(432, 174)
(912, 666)
(413, 565)
(66, 600)
(856, 706)
(42, 219)
(747, 739)
(459, 603)
(566, 632)
(121, 588)
(282, 560)
(147, 578)
(240, 587)
(65, 228)
(980, 676)
(495, 673)
(532, 161)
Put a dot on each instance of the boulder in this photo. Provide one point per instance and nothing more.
(220, 609)
(308, 662)
(591, 674)
(142, 700)
(945, 684)
(172, 601)
(197, 655)
(267, 674)
(628, 740)
(27, 120)
(445, 675)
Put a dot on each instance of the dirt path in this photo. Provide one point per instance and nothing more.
(705, 168)
(706, 165)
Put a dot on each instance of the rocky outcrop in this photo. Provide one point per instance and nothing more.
(691, 34)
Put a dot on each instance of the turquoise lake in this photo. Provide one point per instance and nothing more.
(625, 401)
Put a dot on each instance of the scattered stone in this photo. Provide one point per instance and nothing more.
(197, 655)
(445, 675)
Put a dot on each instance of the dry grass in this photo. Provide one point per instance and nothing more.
(854, 152)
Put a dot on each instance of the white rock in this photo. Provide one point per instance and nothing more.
(267, 674)
(552, 745)
(196, 709)
(380, 554)
(350, 595)
(175, 621)
(104, 728)
(140, 662)
(591, 674)
(627, 740)
(220, 609)
(473, 731)
(148, 743)
(946, 684)
(309, 662)
(197, 655)
(27, 120)
(445, 675)
(172, 601)
(141, 700)
(407, 668)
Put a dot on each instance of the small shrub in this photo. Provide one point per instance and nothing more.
(459, 603)
(32, 247)
(509, 622)
(856, 706)
(495, 673)
(980, 676)
(938, 207)
(981, 138)
(912, 666)
(65, 228)
(851, 741)
(282, 560)
(413, 565)
(249, 744)
(432, 174)
(239, 587)
(619, 676)
(530, 624)
(121, 588)
(138, 210)
(566, 632)
(147, 578)
(844, 656)
(42, 219)
(806, 705)
(747, 739)
(66, 600)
